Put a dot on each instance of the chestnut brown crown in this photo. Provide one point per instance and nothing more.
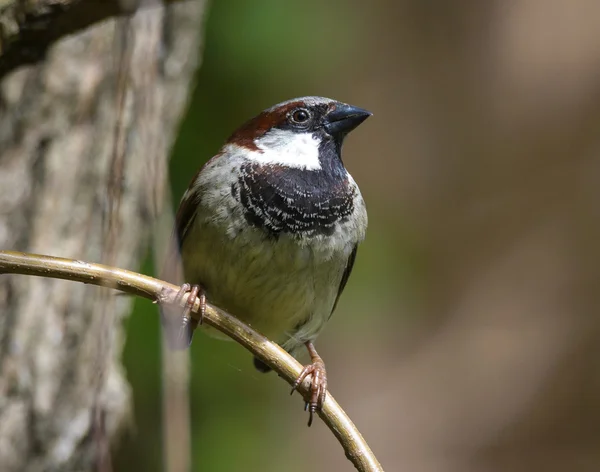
(318, 115)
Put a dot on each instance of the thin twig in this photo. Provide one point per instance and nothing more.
(355, 447)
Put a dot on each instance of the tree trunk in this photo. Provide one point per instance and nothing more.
(84, 140)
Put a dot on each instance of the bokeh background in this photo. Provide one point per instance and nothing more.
(468, 338)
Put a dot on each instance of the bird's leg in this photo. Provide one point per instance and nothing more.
(189, 324)
(318, 385)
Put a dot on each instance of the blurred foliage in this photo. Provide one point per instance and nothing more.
(256, 54)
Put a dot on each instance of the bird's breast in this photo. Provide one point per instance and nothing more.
(275, 285)
(276, 278)
(282, 200)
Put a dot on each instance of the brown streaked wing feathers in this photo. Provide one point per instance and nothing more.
(186, 213)
(172, 271)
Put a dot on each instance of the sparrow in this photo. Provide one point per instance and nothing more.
(268, 229)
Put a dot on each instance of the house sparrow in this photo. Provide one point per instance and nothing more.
(269, 227)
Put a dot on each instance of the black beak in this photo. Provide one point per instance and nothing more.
(344, 119)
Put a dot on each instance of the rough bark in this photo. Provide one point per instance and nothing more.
(29, 27)
(84, 140)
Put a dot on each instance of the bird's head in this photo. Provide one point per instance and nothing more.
(302, 133)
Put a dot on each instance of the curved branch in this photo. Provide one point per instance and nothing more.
(355, 447)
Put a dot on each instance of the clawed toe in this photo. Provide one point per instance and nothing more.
(185, 330)
(318, 385)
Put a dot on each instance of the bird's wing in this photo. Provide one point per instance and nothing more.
(172, 269)
(345, 276)
(186, 213)
(177, 335)
(184, 218)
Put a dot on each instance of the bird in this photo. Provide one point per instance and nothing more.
(268, 229)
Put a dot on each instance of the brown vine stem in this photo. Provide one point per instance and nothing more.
(355, 447)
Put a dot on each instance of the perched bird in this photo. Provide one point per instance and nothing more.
(269, 227)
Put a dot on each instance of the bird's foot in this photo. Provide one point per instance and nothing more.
(189, 324)
(318, 385)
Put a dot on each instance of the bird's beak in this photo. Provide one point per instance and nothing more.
(344, 118)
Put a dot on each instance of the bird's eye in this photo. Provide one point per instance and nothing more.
(300, 116)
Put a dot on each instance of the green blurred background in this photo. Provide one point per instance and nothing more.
(467, 338)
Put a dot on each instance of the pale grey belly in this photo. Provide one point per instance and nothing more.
(284, 290)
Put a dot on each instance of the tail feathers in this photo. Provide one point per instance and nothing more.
(261, 366)
(178, 332)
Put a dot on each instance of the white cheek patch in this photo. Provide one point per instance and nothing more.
(299, 150)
